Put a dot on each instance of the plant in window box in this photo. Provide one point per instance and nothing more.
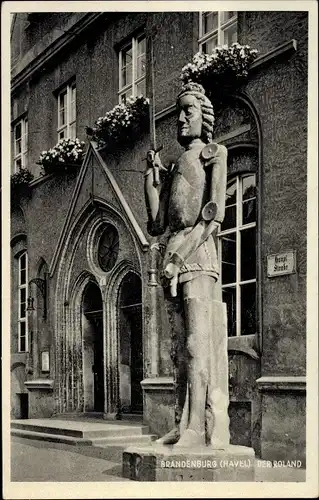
(224, 67)
(122, 124)
(20, 184)
(65, 155)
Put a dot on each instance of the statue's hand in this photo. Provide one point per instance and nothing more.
(154, 164)
(153, 159)
(171, 272)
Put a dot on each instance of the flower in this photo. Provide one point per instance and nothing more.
(223, 61)
(20, 184)
(122, 121)
(70, 151)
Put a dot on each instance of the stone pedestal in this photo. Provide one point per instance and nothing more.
(168, 463)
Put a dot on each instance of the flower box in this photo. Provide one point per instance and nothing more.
(59, 168)
(65, 156)
(20, 185)
(224, 67)
(123, 124)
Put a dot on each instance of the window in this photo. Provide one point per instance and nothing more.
(216, 28)
(108, 248)
(67, 113)
(132, 69)
(21, 144)
(23, 294)
(237, 251)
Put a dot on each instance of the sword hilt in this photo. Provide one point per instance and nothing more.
(151, 154)
(156, 168)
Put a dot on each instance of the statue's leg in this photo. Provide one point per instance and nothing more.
(217, 393)
(197, 295)
(174, 308)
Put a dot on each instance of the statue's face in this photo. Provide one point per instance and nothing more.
(189, 119)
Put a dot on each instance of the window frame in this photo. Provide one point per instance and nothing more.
(133, 43)
(70, 121)
(237, 230)
(222, 26)
(23, 286)
(23, 154)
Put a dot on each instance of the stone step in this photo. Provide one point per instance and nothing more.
(77, 429)
(53, 438)
(123, 440)
(119, 441)
(109, 448)
(99, 417)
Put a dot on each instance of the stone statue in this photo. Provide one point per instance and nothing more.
(188, 202)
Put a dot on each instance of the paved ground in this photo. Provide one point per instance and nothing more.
(43, 461)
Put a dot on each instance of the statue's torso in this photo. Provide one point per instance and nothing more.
(188, 190)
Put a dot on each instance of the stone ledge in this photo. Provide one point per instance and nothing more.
(234, 133)
(169, 110)
(280, 383)
(290, 46)
(42, 384)
(158, 384)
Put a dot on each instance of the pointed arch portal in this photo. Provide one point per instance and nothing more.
(99, 320)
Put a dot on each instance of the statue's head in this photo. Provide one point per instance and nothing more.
(195, 114)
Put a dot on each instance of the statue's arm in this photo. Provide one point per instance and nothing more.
(156, 190)
(218, 183)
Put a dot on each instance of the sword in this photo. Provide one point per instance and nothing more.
(154, 150)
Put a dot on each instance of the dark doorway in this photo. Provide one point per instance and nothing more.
(93, 348)
(131, 344)
(24, 405)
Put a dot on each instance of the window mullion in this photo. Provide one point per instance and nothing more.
(219, 28)
(208, 36)
(26, 298)
(229, 22)
(22, 140)
(59, 111)
(220, 259)
(200, 25)
(134, 61)
(25, 130)
(238, 259)
(120, 73)
(68, 110)
(127, 87)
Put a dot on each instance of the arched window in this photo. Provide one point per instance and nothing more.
(237, 253)
(22, 303)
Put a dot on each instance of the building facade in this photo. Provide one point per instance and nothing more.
(89, 330)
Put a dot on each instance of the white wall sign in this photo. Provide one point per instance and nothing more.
(281, 263)
(45, 361)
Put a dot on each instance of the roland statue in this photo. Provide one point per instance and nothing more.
(187, 203)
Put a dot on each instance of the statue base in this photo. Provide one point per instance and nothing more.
(157, 462)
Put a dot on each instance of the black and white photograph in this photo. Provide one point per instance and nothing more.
(159, 188)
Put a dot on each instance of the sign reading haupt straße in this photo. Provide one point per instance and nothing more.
(281, 263)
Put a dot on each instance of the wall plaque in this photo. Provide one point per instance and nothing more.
(279, 264)
(45, 361)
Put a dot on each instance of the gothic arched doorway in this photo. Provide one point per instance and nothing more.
(93, 348)
(130, 343)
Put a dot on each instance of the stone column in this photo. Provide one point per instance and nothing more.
(153, 315)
